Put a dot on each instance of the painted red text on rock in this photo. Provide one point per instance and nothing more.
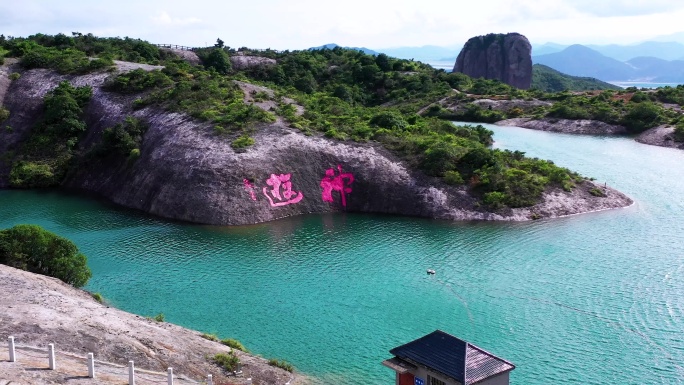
(340, 183)
(280, 193)
(249, 187)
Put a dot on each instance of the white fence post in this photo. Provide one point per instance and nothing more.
(51, 356)
(170, 375)
(131, 373)
(13, 356)
(209, 380)
(91, 365)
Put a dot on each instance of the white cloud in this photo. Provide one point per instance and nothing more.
(300, 24)
(163, 18)
(615, 8)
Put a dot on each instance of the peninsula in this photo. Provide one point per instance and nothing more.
(228, 137)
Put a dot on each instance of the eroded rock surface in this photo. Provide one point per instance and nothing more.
(497, 56)
(662, 136)
(241, 62)
(566, 126)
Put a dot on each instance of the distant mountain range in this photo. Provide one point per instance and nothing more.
(579, 60)
(426, 53)
(333, 45)
(661, 50)
(651, 61)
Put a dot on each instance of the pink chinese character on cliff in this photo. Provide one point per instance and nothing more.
(341, 183)
(280, 193)
(249, 187)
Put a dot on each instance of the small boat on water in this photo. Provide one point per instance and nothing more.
(430, 272)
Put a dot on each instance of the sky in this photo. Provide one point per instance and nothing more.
(299, 24)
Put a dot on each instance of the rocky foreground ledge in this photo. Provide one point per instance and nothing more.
(38, 310)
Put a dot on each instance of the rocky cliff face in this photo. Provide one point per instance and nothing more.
(496, 56)
(187, 172)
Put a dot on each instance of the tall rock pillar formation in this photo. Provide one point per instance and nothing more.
(497, 56)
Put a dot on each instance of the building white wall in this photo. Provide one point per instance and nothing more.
(423, 374)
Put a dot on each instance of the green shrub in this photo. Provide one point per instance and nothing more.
(137, 81)
(216, 59)
(45, 156)
(32, 175)
(642, 116)
(679, 133)
(14, 76)
(228, 361)
(495, 200)
(453, 178)
(282, 364)
(134, 154)
(242, 142)
(4, 113)
(32, 248)
(123, 140)
(210, 337)
(235, 344)
(389, 119)
(597, 192)
(98, 297)
(159, 317)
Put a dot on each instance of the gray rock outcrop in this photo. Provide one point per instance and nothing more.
(186, 171)
(497, 56)
(566, 126)
(241, 61)
(663, 136)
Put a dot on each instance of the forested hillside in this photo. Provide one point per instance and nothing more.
(346, 95)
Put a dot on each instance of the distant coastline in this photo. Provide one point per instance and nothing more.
(626, 84)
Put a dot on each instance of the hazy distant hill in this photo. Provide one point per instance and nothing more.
(658, 70)
(425, 53)
(578, 60)
(661, 50)
(333, 45)
(677, 37)
(667, 50)
(547, 48)
(549, 80)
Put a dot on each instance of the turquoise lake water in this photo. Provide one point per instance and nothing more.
(588, 299)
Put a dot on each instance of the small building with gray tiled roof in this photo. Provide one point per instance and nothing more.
(442, 359)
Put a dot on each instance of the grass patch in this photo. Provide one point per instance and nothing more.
(235, 344)
(210, 337)
(158, 318)
(282, 364)
(242, 142)
(228, 361)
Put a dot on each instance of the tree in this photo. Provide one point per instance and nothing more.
(642, 116)
(219, 60)
(383, 61)
(34, 249)
(219, 43)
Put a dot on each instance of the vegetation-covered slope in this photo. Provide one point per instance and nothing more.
(547, 79)
(346, 94)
